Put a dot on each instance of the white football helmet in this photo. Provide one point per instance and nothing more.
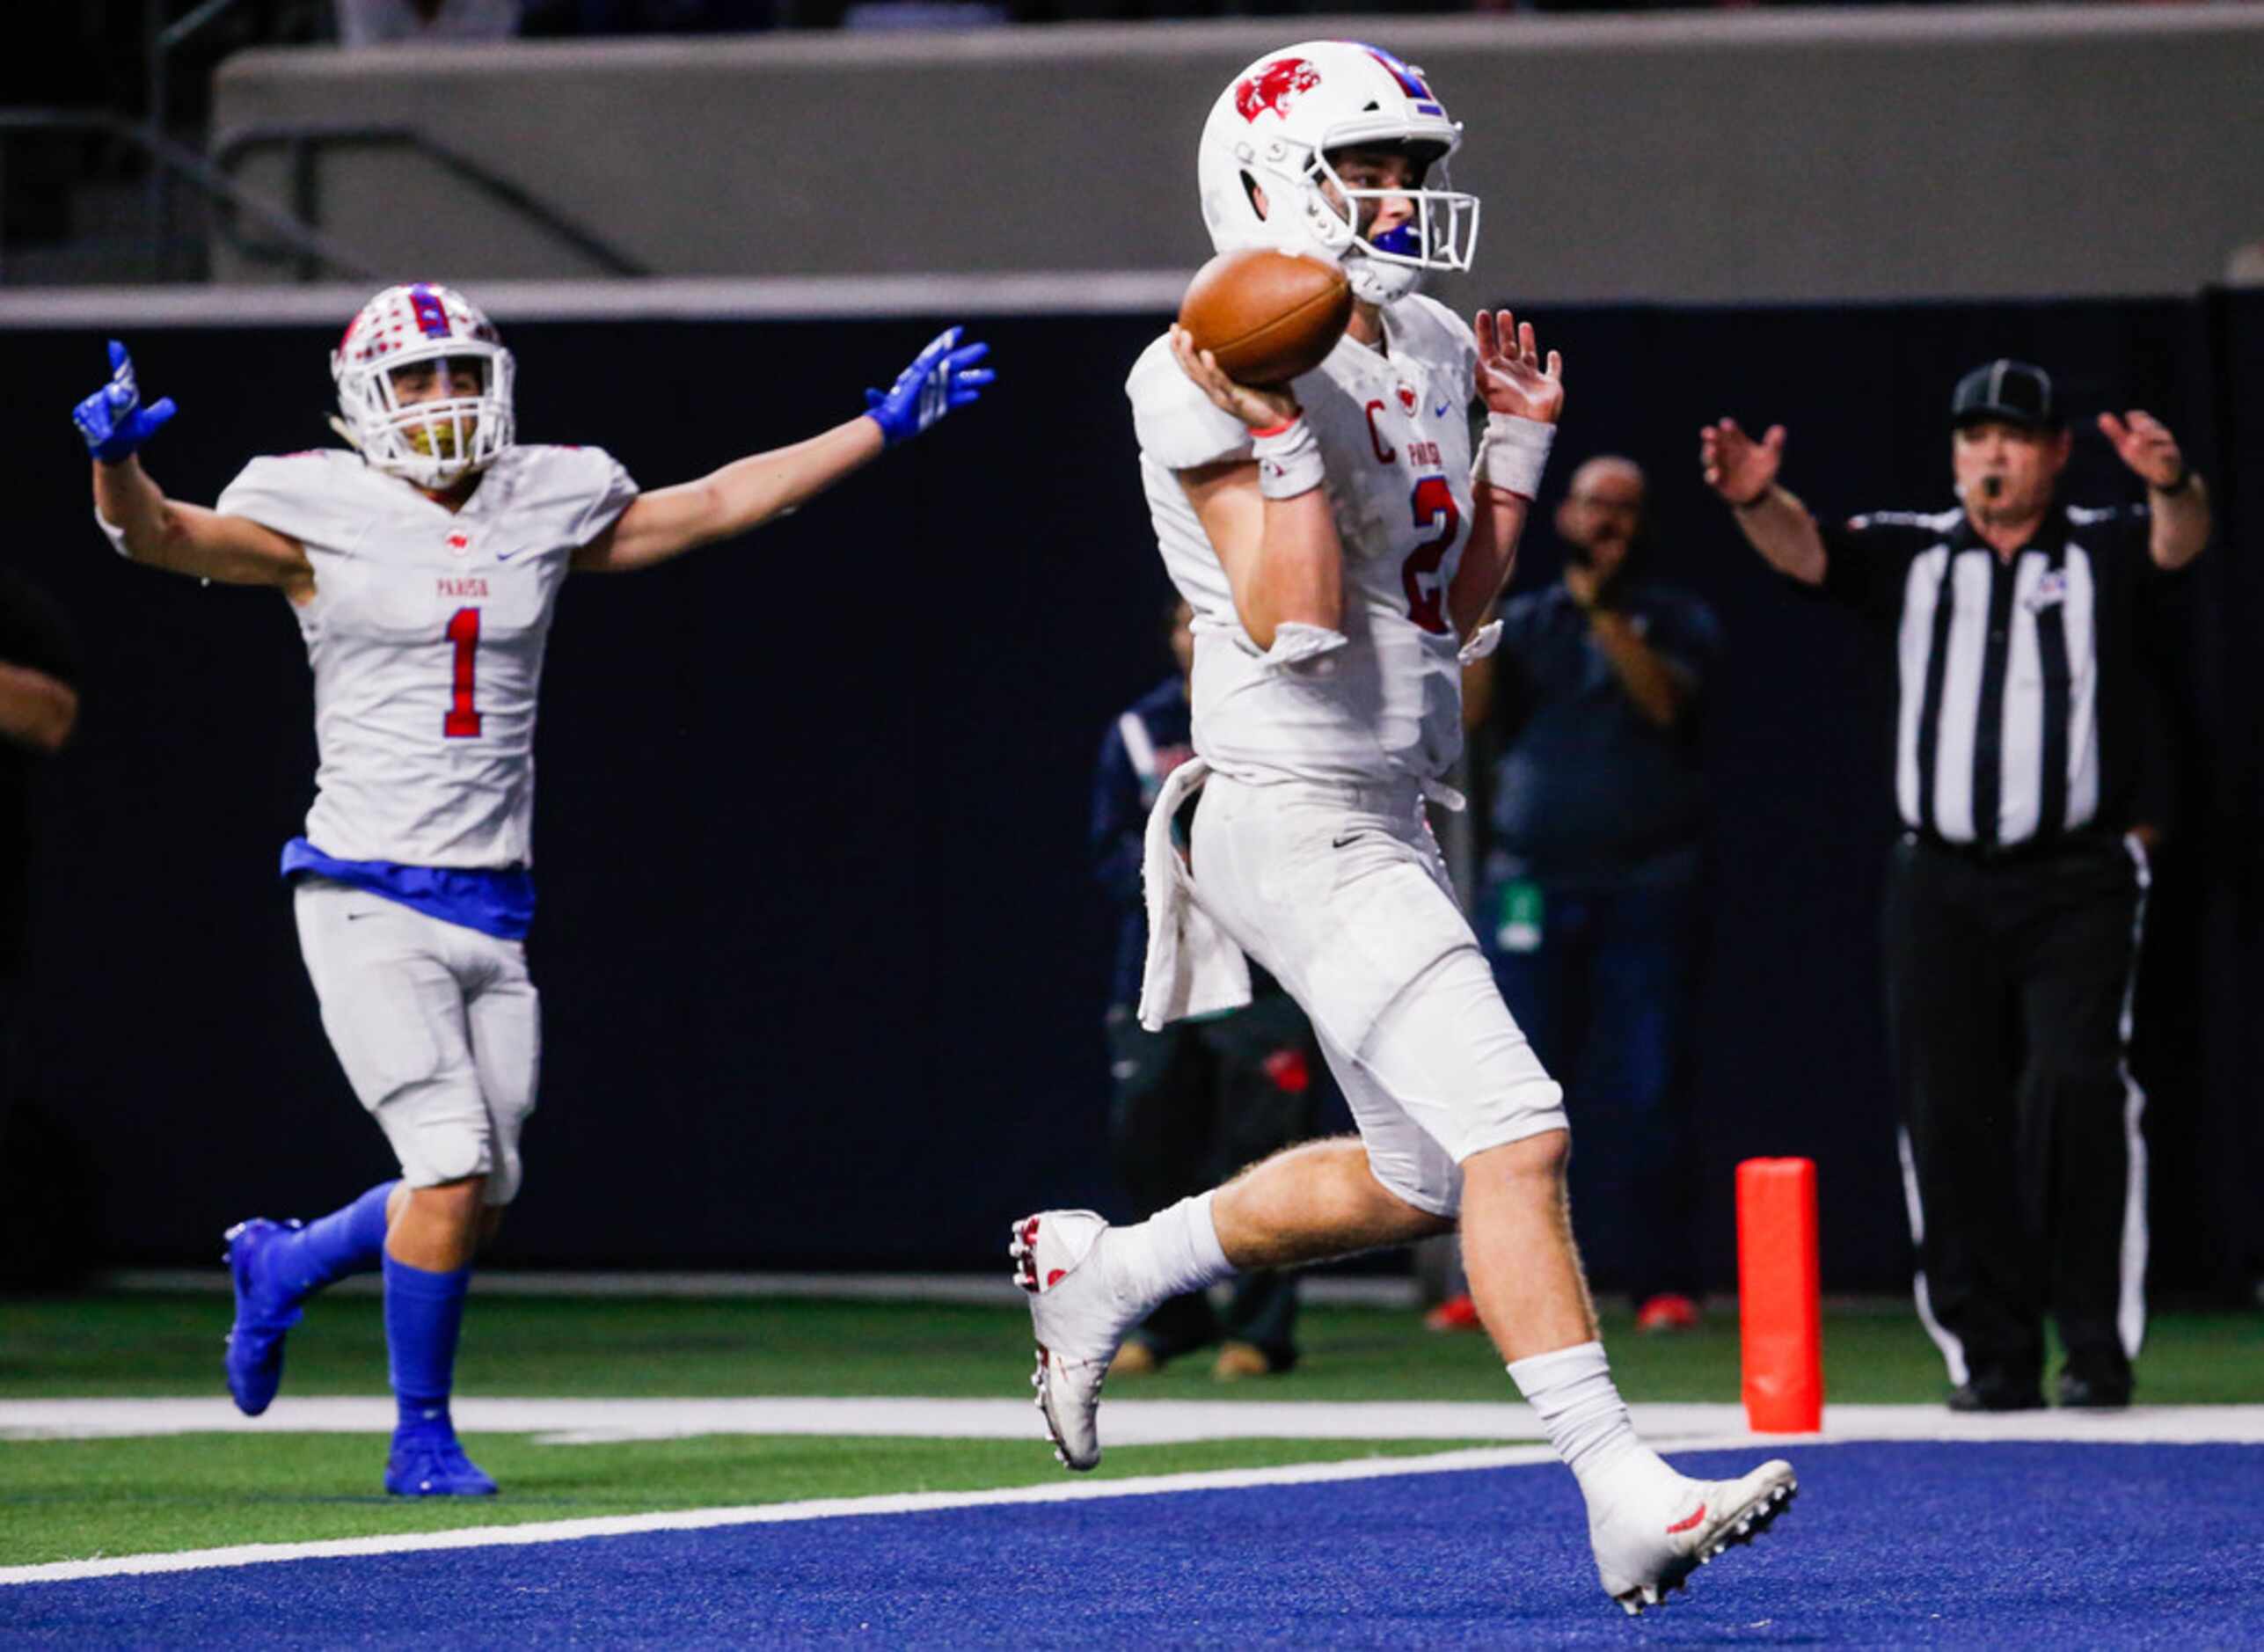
(433, 442)
(1271, 129)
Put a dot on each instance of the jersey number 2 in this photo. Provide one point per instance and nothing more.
(1435, 507)
(462, 720)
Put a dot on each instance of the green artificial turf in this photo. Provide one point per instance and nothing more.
(73, 1499)
(157, 1344)
(69, 1499)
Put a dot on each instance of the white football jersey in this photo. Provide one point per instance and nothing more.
(1394, 433)
(426, 634)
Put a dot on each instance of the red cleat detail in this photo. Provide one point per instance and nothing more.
(1684, 1526)
(1455, 1313)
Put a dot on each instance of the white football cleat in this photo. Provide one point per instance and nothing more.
(1078, 1320)
(1644, 1549)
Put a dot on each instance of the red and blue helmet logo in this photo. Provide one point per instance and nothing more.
(431, 314)
(1275, 86)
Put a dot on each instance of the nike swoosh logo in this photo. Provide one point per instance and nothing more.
(505, 556)
(1684, 1526)
(1349, 837)
(1440, 411)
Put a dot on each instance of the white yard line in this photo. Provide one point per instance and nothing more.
(1129, 1421)
(771, 1514)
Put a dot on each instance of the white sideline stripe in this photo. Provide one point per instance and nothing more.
(647, 298)
(772, 1513)
(2160, 1425)
(586, 1422)
(986, 1290)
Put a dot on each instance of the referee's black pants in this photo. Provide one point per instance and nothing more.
(2008, 984)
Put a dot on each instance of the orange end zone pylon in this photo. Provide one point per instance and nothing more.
(1780, 1295)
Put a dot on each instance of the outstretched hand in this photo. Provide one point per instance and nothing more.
(1260, 407)
(1736, 467)
(112, 419)
(2144, 443)
(942, 376)
(1512, 377)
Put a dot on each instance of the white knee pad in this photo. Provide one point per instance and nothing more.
(441, 1133)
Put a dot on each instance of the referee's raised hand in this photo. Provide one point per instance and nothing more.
(1736, 467)
(2144, 443)
(1743, 473)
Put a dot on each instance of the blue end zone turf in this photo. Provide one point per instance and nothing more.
(2016, 1545)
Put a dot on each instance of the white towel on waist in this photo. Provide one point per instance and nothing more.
(1193, 968)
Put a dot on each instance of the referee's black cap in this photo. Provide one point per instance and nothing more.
(2017, 392)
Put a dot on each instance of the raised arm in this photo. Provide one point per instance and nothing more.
(749, 491)
(145, 526)
(1268, 518)
(1659, 688)
(2178, 498)
(1772, 519)
(1523, 399)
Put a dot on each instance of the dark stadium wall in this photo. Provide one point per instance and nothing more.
(823, 965)
(1595, 141)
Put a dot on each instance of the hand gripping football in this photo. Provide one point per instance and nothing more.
(1267, 316)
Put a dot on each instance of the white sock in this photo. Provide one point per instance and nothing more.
(1572, 1391)
(1172, 1253)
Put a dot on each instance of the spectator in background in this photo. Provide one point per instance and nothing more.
(2027, 718)
(414, 22)
(1591, 902)
(1197, 1102)
(39, 706)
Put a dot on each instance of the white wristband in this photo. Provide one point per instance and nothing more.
(113, 532)
(1289, 460)
(1512, 453)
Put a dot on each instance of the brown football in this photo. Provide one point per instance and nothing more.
(1267, 316)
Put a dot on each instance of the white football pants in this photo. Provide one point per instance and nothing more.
(1339, 890)
(437, 1027)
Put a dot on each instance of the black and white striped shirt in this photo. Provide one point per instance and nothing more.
(2022, 713)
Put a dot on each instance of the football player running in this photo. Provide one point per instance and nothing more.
(424, 563)
(1341, 544)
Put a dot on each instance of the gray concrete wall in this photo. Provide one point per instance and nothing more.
(1707, 157)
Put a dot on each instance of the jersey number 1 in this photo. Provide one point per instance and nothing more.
(462, 720)
(1435, 507)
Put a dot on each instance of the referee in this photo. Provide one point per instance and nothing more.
(2018, 887)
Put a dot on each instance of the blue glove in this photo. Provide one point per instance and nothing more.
(112, 419)
(941, 377)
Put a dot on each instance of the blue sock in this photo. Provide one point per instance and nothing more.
(424, 1312)
(348, 1240)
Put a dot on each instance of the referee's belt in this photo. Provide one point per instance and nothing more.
(2013, 854)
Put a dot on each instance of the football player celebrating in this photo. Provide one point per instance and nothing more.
(1342, 543)
(424, 565)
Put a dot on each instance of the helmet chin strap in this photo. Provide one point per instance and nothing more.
(1377, 283)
